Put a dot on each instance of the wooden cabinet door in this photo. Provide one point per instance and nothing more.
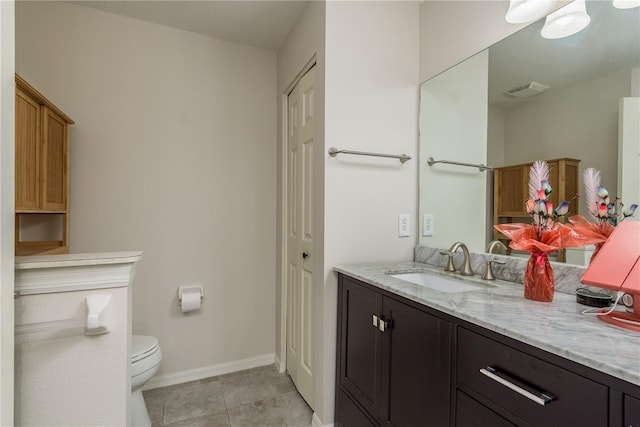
(28, 152)
(360, 344)
(510, 186)
(55, 158)
(416, 367)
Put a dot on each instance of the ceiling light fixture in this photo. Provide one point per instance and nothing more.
(566, 21)
(523, 11)
(626, 4)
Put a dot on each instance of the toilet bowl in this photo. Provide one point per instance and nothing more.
(145, 361)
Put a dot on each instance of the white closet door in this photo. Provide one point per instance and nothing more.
(300, 257)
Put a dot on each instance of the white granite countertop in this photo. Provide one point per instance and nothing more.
(557, 327)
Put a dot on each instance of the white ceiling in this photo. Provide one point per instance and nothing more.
(260, 23)
(610, 43)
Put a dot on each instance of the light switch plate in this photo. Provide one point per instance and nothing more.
(403, 225)
(427, 225)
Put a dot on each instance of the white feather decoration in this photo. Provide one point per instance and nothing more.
(539, 171)
(591, 177)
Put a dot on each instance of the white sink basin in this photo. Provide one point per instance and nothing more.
(437, 282)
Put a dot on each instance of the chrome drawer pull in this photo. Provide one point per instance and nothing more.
(502, 378)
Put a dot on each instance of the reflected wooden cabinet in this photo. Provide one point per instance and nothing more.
(511, 190)
(41, 170)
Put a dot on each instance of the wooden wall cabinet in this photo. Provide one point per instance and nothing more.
(511, 190)
(41, 168)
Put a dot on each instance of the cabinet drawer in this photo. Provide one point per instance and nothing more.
(470, 413)
(514, 380)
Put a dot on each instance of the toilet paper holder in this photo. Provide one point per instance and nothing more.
(190, 288)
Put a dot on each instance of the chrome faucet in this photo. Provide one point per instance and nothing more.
(497, 243)
(466, 266)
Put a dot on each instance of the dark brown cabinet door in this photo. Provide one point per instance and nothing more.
(631, 412)
(416, 367)
(360, 341)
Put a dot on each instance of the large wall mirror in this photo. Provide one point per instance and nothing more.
(466, 117)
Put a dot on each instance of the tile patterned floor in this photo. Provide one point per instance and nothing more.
(255, 397)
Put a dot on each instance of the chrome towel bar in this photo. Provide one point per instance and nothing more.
(402, 157)
(481, 167)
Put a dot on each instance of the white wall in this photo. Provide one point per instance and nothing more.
(7, 185)
(495, 136)
(579, 121)
(173, 153)
(371, 104)
(453, 123)
(452, 31)
(366, 82)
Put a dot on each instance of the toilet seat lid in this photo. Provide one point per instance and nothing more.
(142, 346)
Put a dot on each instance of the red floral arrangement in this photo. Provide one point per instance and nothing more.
(544, 236)
(607, 213)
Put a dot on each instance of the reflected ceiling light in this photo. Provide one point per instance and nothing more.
(626, 4)
(566, 21)
(522, 11)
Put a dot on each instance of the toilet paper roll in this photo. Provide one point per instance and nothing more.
(190, 300)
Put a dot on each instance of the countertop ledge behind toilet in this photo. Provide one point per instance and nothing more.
(557, 327)
(72, 260)
(74, 272)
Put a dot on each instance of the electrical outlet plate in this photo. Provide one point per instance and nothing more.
(427, 225)
(403, 225)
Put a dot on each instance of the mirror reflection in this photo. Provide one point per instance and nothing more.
(524, 99)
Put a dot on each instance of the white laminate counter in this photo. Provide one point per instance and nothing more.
(557, 327)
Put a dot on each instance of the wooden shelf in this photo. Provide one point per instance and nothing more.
(36, 211)
(41, 248)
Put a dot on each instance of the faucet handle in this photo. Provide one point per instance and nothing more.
(488, 273)
(450, 266)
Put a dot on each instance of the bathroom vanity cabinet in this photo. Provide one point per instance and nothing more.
(395, 361)
(42, 172)
(413, 365)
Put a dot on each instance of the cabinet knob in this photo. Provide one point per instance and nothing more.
(305, 255)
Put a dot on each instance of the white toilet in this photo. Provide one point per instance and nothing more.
(145, 361)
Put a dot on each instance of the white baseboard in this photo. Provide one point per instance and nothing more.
(210, 371)
(280, 366)
(315, 422)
